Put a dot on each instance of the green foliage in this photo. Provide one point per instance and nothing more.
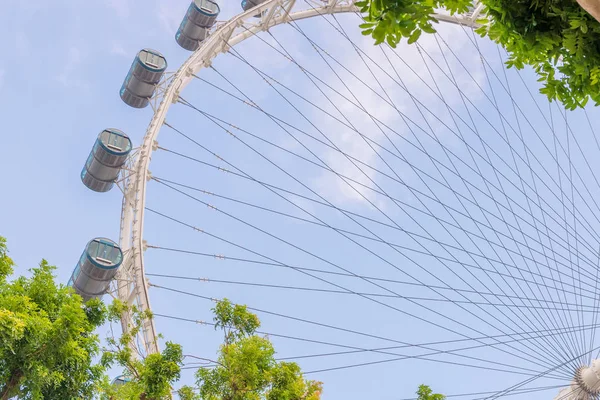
(392, 20)
(557, 38)
(235, 320)
(46, 336)
(246, 368)
(425, 393)
(152, 377)
(187, 393)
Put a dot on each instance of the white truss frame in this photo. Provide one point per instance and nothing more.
(131, 285)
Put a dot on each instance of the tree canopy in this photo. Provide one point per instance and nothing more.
(47, 344)
(151, 377)
(425, 393)
(557, 38)
(48, 348)
(246, 368)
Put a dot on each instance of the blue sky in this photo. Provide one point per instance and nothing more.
(62, 66)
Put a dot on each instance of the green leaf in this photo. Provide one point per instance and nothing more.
(414, 36)
(428, 28)
(391, 41)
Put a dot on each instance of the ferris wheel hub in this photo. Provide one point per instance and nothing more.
(588, 380)
(585, 384)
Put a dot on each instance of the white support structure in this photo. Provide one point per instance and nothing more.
(585, 384)
(131, 284)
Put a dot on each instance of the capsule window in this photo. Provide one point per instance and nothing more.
(88, 162)
(105, 253)
(152, 60)
(207, 6)
(76, 273)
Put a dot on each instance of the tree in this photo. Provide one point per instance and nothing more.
(152, 376)
(246, 368)
(557, 38)
(425, 393)
(47, 344)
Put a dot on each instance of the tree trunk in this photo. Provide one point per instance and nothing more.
(592, 7)
(11, 385)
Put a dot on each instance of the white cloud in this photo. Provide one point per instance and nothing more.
(350, 142)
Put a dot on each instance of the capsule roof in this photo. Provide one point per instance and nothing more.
(114, 141)
(120, 380)
(152, 60)
(207, 7)
(104, 253)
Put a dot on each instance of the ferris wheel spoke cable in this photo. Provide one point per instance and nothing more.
(242, 176)
(524, 115)
(350, 212)
(422, 345)
(356, 99)
(271, 210)
(523, 351)
(257, 262)
(558, 236)
(595, 317)
(453, 165)
(571, 350)
(476, 188)
(456, 84)
(525, 118)
(534, 181)
(452, 352)
(424, 358)
(587, 309)
(513, 393)
(392, 265)
(359, 294)
(529, 380)
(433, 91)
(550, 125)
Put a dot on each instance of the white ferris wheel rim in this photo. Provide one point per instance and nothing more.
(131, 283)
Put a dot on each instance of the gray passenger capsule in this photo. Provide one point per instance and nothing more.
(106, 159)
(248, 4)
(96, 268)
(140, 82)
(200, 16)
(120, 380)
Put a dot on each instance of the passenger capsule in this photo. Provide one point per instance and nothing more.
(200, 17)
(96, 268)
(248, 4)
(140, 83)
(106, 159)
(120, 380)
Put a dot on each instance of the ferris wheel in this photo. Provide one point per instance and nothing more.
(475, 196)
